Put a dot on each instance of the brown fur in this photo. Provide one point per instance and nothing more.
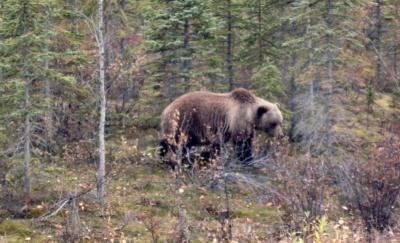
(243, 96)
(203, 118)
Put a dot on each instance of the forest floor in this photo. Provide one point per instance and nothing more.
(142, 200)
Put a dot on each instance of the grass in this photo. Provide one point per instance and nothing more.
(15, 227)
(141, 193)
(136, 195)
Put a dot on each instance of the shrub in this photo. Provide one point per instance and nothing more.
(300, 182)
(374, 185)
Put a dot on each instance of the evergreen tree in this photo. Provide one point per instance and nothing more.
(323, 28)
(181, 33)
(24, 49)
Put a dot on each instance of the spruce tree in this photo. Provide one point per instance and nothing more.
(180, 34)
(322, 29)
(24, 49)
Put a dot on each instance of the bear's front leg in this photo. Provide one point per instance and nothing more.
(212, 153)
(243, 151)
(167, 152)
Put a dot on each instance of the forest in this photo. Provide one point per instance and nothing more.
(83, 84)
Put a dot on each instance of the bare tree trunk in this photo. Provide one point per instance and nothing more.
(293, 136)
(122, 45)
(395, 47)
(187, 63)
(183, 231)
(49, 99)
(311, 88)
(229, 42)
(49, 111)
(395, 50)
(27, 147)
(102, 95)
(377, 43)
(259, 23)
(330, 82)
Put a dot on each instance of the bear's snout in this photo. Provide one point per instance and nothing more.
(278, 132)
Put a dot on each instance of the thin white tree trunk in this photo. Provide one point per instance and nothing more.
(328, 94)
(27, 147)
(229, 41)
(311, 88)
(102, 96)
(49, 99)
(49, 115)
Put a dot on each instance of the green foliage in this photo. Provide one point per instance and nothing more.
(396, 98)
(370, 97)
(314, 58)
(34, 56)
(182, 34)
(266, 82)
(147, 121)
(262, 22)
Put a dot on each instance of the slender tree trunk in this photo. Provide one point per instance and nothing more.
(49, 104)
(396, 47)
(311, 88)
(259, 23)
(102, 96)
(184, 233)
(49, 111)
(395, 50)
(330, 80)
(187, 63)
(378, 45)
(122, 45)
(27, 147)
(310, 58)
(229, 42)
(27, 118)
(293, 136)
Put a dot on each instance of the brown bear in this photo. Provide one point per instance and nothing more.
(205, 118)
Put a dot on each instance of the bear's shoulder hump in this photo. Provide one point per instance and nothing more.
(243, 95)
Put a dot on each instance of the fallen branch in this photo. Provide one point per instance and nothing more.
(66, 201)
(62, 203)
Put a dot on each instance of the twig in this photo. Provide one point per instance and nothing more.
(68, 200)
(63, 203)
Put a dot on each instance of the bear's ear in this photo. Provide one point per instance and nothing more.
(261, 110)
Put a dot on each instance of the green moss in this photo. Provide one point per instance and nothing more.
(135, 230)
(368, 135)
(260, 214)
(54, 169)
(147, 121)
(15, 227)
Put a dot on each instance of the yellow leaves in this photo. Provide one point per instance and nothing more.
(385, 102)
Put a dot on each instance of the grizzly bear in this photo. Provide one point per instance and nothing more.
(211, 119)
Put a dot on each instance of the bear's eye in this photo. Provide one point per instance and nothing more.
(273, 125)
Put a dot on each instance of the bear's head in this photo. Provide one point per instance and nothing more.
(269, 118)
